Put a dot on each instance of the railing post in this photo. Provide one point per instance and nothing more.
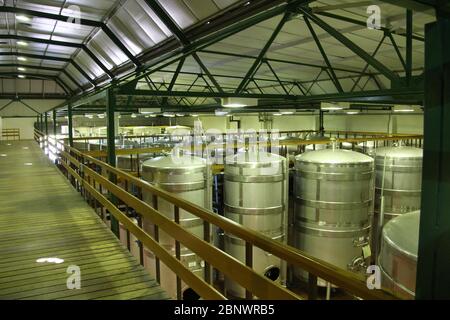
(156, 236)
(248, 263)
(176, 215)
(70, 124)
(110, 108)
(312, 287)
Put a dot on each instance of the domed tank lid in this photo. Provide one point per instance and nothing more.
(399, 152)
(251, 157)
(333, 156)
(402, 233)
(170, 162)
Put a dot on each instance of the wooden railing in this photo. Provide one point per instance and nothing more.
(11, 134)
(94, 179)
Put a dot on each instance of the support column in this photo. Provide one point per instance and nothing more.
(54, 123)
(409, 42)
(321, 126)
(46, 123)
(70, 124)
(41, 127)
(110, 123)
(433, 267)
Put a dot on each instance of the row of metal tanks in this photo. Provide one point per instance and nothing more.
(337, 198)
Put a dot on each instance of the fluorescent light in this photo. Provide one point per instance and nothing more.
(352, 112)
(89, 116)
(168, 115)
(334, 106)
(179, 115)
(277, 114)
(101, 115)
(21, 69)
(286, 112)
(21, 76)
(194, 115)
(22, 43)
(23, 18)
(238, 102)
(401, 108)
(220, 112)
(133, 115)
(21, 58)
(149, 110)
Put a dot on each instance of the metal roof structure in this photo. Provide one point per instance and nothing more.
(182, 54)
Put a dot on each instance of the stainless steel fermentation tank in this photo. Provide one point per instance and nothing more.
(188, 178)
(256, 196)
(333, 192)
(398, 256)
(398, 185)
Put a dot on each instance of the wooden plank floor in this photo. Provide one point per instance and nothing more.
(42, 216)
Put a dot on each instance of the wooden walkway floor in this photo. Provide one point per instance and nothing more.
(42, 216)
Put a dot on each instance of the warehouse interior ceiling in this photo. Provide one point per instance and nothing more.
(184, 55)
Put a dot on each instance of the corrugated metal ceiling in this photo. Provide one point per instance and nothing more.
(139, 29)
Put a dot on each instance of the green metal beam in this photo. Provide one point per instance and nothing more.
(111, 150)
(367, 65)
(334, 78)
(7, 105)
(81, 21)
(205, 70)
(41, 14)
(28, 106)
(54, 122)
(251, 72)
(70, 123)
(409, 45)
(46, 123)
(414, 92)
(351, 45)
(276, 77)
(363, 24)
(167, 20)
(35, 56)
(63, 44)
(397, 50)
(433, 265)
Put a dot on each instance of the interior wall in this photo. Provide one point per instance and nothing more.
(26, 126)
(402, 123)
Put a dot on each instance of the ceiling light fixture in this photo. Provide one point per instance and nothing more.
(401, 108)
(21, 69)
(238, 102)
(21, 76)
(21, 58)
(23, 18)
(326, 106)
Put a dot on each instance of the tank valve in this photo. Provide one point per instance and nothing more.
(357, 265)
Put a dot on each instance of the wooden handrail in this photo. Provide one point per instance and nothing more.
(246, 277)
(103, 153)
(351, 282)
(200, 286)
